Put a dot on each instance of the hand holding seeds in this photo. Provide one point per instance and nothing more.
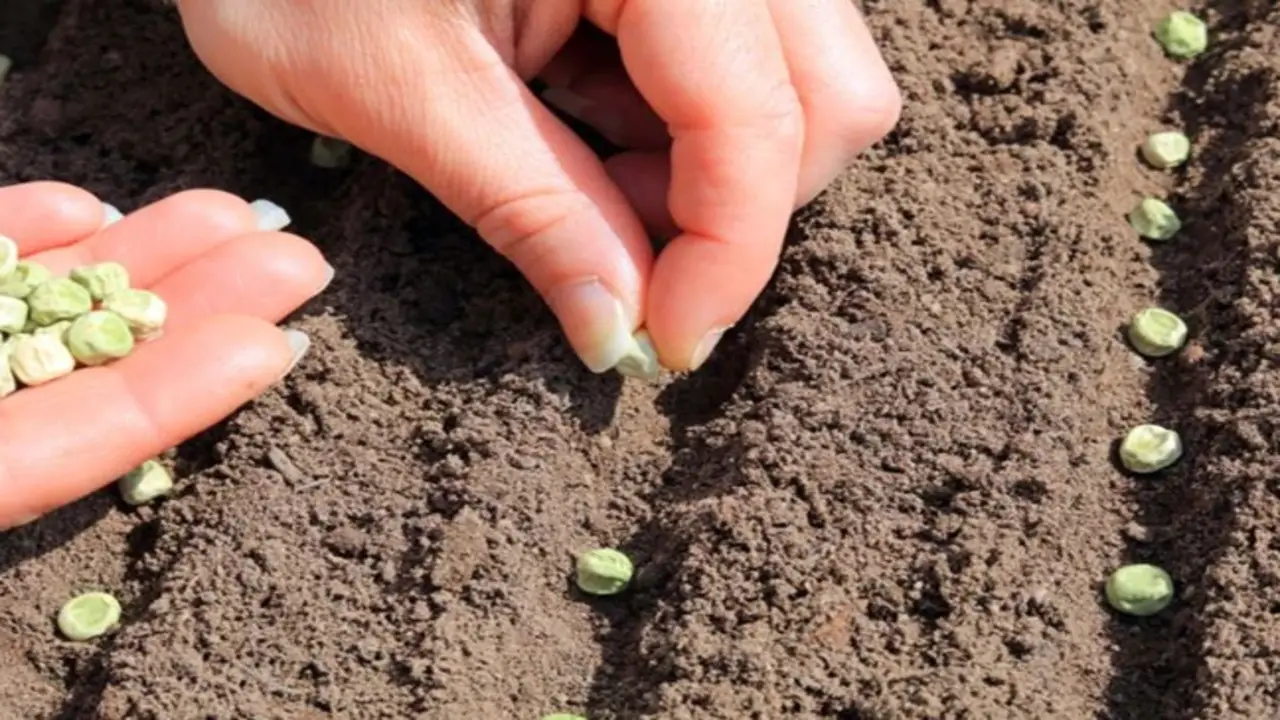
(128, 347)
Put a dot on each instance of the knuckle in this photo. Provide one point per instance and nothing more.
(861, 114)
(514, 225)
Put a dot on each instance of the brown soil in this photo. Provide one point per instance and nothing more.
(890, 496)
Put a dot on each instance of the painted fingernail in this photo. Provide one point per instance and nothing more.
(706, 346)
(271, 217)
(596, 323)
(299, 343)
(641, 360)
(110, 214)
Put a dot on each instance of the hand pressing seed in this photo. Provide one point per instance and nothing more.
(25, 278)
(1156, 332)
(1140, 590)
(1182, 34)
(13, 314)
(38, 359)
(143, 310)
(8, 255)
(89, 615)
(604, 572)
(1166, 150)
(102, 279)
(98, 337)
(145, 483)
(1149, 449)
(1153, 219)
(58, 299)
(641, 360)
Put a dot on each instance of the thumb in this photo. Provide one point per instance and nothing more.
(439, 102)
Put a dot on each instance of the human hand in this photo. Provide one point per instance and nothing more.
(226, 284)
(734, 112)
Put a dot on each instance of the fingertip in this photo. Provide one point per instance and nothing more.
(48, 213)
(218, 211)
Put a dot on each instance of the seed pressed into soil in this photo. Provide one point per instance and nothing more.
(884, 497)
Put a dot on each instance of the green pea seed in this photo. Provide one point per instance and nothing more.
(1153, 219)
(58, 330)
(330, 153)
(13, 314)
(1156, 332)
(89, 615)
(101, 279)
(38, 359)
(1149, 449)
(25, 277)
(8, 254)
(1166, 150)
(145, 483)
(8, 383)
(640, 360)
(604, 571)
(1182, 34)
(1140, 590)
(143, 310)
(58, 299)
(98, 337)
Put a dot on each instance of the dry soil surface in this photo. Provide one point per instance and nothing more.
(891, 496)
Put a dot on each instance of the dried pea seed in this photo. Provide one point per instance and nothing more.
(89, 615)
(1156, 332)
(1149, 449)
(604, 571)
(145, 483)
(1140, 590)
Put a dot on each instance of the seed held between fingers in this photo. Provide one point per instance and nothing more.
(641, 359)
(145, 483)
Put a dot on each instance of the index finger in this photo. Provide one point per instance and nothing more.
(719, 78)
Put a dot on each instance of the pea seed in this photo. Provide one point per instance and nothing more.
(143, 310)
(1149, 449)
(38, 359)
(58, 299)
(145, 483)
(8, 254)
(8, 383)
(101, 279)
(58, 330)
(1140, 590)
(1156, 332)
(24, 278)
(13, 314)
(98, 337)
(641, 360)
(1166, 150)
(604, 571)
(89, 615)
(1182, 34)
(1153, 219)
(330, 153)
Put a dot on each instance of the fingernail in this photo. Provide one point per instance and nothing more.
(299, 343)
(596, 323)
(111, 215)
(706, 346)
(271, 217)
(329, 272)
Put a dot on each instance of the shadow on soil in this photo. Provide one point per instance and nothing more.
(1189, 511)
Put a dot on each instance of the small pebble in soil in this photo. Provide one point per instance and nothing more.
(39, 359)
(1156, 332)
(330, 153)
(98, 337)
(88, 616)
(1139, 590)
(641, 360)
(1165, 150)
(145, 483)
(101, 279)
(271, 217)
(1153, 219)
(1182, 34)
(604, 571)
(1150, 448)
